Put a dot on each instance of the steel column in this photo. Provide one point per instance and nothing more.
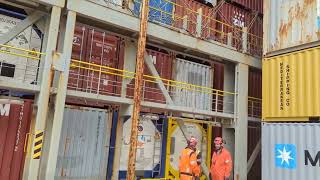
(60, 97)
(42, 99)
(241, 117)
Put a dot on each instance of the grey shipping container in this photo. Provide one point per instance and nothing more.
(84, 144)
(290, 151)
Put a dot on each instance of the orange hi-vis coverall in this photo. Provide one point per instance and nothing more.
(221, 165)
(188, 166)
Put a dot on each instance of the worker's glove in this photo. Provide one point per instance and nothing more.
(226, 178)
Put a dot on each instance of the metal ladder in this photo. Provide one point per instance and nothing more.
(157, 149)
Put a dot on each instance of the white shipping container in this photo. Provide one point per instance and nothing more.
(290, 151)
(16, 67)
(288, 23)
(192, 73)
(84, 144)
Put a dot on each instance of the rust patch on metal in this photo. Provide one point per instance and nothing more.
(299, 13)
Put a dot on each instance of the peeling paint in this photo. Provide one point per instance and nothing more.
(290, 23)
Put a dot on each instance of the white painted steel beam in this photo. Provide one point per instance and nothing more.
(21, 26)
(60, 98)
(254, 156)
(122, 100)
(50, 41)
(241, 127)
(160, 33)
(19, 86)
(154, 72)
(58, 3)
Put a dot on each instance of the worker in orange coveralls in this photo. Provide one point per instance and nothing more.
(221, 164)
(190, 160)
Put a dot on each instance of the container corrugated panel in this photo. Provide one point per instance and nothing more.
(78, 53)
(19, 68)
(290, 151)
(254, 135)
(160, 11)
(255, 91)
(15, 117)
(237, 17)
(218, 83)
(84, 143)
(151, 148)
(290, 23)
(256, 5)
(92, 45)
(189, 8)
(163, 64)
(291, 86)
(192, 73)
(177, 142)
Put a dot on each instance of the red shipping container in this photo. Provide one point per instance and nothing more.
(190, 8)
(255, 91)
(254, 135)
(103, 51)
(151, 92)
(218, 83)
(15, 120)
(78, 53)
(232, 20)
(255, 5)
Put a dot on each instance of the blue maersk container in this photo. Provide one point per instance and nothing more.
(160, 11)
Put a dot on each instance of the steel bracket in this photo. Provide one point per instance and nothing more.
(57, 62)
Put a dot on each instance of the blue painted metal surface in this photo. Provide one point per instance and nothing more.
(159, 10)
(112, 144)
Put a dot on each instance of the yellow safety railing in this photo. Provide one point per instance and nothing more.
(254, 41)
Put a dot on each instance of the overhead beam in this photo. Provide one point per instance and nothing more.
(8, 83)
(58, 3)
(155, 73)
(160, 33)
(21, 26)
(254, 156)
(122, 100)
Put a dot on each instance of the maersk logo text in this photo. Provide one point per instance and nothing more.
(4, 109)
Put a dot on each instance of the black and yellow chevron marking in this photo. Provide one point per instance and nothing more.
(38, 145)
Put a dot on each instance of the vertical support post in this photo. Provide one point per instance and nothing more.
(60, 98)
(124, 114)
(130, 54)
(185, 22)
(199, 22)
(137, 92)
(32, 163)
(229, 39)
(245, 40)
(241, 120)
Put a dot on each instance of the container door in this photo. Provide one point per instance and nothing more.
(14, 125)
(84, 143)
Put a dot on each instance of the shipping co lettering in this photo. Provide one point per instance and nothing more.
(288, 85)
(4, 109)
(309, 159)
(281, 86)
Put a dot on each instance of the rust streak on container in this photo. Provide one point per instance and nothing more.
(138, 87)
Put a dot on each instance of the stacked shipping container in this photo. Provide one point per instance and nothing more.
(216, 22)
(15, 119)
(94, 53)
(291, 90)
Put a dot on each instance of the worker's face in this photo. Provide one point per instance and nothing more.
(193, 145)
(217, 146)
